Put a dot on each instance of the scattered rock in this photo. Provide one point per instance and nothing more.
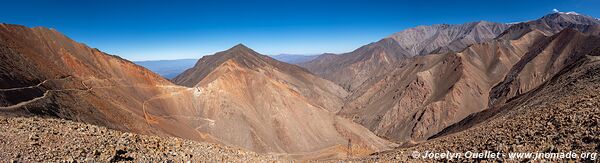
(88, 143)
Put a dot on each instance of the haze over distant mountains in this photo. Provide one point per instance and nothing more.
(294, 58)
(427, 87)
(168, 68)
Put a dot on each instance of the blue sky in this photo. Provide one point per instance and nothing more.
(151, 30)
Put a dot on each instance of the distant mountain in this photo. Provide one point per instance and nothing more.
(353, 69)
(444, 38)
(293, 58)
(168, 68)
(553, 23)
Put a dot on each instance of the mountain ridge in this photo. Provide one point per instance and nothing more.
(239, 53)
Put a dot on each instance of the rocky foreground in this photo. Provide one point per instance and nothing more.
(39, 139)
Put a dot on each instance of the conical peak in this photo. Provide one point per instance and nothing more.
(239, 47)
(237, 51)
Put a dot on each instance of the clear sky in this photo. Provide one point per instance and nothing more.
(152, 30)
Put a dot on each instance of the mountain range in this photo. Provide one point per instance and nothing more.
(408, 91)
(293, 58)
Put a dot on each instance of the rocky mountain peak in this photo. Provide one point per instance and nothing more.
(239, 54)
(239, 50)
(551, 24)
(569, 17)
(440, 38)
(240, 47)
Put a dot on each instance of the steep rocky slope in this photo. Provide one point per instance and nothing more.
(542, 62)
(265, 105)
(42, 72)
(561, 115)
(550, 58)
(351, 70)
(57, 140)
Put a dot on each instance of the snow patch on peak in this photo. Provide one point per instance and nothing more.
(555, 10)
(571, 13)
(567, 13)
(513, 23)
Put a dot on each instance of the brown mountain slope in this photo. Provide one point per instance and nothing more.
(239, 53)
(43, 72)
(318, 91)
(265, 105)
(428, 93)
(547, 59)
(542, 62)
(560, 115)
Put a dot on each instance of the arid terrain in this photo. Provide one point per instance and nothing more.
(40, 140)
(531, 86)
